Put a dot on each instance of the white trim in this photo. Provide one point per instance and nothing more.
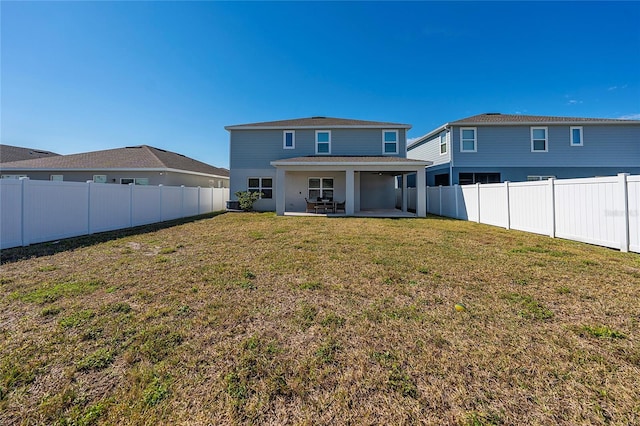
(329, 142)
(475, 139)
(443, 136)
(284, 139)
(397, 142)
(94, 169)
(546, 139)
(571, 129)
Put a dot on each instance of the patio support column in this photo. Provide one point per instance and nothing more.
(421, 193)
(280, 191)
(404, 192)
(349, 207)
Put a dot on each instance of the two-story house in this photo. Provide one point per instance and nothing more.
(351, 161)
(493, 147)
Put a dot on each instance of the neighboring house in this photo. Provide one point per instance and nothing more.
(10, 153)
(351, 161)
(140, 165)
(493, 147)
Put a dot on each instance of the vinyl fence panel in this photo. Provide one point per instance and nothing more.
(10, 213)
(33, 211)
(54, 210)
(493, 204)
(530, 207)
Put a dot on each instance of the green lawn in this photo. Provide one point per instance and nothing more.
(258, 319)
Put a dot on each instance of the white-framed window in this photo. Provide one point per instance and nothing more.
(58, 178)
(135, 181)
(443, 143)
(320, 188)
(264, 185)
(389, 141)
(100, 178)
(323, 141)
(12, 176)
(537, 178)
(576, 136)
(468, 139)
(289, 139)
(539, 139)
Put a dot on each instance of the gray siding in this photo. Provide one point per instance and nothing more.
(510, 146)
(430, 150)
(257, 148)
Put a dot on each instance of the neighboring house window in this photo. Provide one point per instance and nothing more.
(321, 188)
(468, 142)
(443, 143)
(471, 178)
(390, 141)
(12, 176)
(289, 139)
(323, 142)
(135, 181)
(537, 178)
(263, 185)
(576, 136)
(58, 178)
(100, 178)
(539, 141)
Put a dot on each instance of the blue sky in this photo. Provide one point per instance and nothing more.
(85, 76)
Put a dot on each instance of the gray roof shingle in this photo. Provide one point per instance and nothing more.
(318, 123)
(132, 157)
(10, 153)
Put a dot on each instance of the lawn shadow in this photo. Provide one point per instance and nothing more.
(16, 254)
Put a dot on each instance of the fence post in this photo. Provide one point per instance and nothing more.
(552, 208)
(182, 202)
(161, 215)
(455, 192)
(89, 182)
(622, 205)
(506, 190)
(440, 200)
(130, 205)
(478, 199)
(23, 193)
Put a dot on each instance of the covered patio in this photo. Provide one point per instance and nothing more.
(366, 185)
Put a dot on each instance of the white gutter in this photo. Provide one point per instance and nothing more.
(98, 169)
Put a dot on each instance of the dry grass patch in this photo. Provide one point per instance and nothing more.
(254, 318)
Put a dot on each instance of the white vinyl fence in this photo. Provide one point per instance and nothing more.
(604, 211)
(35, 211)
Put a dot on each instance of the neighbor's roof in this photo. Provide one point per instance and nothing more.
(317, 123)
(498, 119)
(131, 157)
(344, 160)
(16, 153)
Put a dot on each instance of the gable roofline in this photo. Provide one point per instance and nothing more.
(318, 123)
(498, 119)
(140, 158)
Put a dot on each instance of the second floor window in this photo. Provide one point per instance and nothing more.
(323, 142)
(289, 139)
(539, 139)
(390, 141)
(468, 139)
(443, 143)
(576, 136)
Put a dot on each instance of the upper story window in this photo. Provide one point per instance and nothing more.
(539, 142)
(468, 139)
(390, 141)
(323, 141)
(289, 139)
(443, 143)
(576, 136)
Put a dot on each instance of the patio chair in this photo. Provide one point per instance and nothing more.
(340, 206)
(311, 206)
